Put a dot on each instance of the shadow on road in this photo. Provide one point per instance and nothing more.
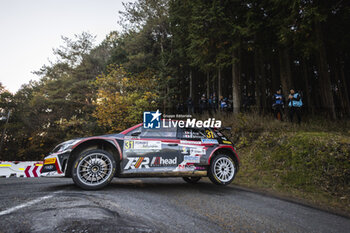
(154, 185)
(176, 186)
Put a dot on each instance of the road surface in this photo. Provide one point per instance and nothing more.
(152, 205)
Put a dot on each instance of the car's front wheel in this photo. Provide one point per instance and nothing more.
(93, 169)
(222, 170)
(192, 180)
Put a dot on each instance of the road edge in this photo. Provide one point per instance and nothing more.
(294, 200)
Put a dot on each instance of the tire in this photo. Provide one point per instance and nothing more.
(192, 179)
(93, 169)
(222, 170)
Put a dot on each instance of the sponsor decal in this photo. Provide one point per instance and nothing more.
(137, 162)
(227, 142)
(49, 160)
(49, 168)
(145, 162)
(190, 142)
(159, 161)
(163, 169)
(200, 168)
(151, 120)
(141, 145)
(197, 151)
(186, 166)
(193, 150)
(210, 141)
(191, 159)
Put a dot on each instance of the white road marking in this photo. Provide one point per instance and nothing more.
(29, 203)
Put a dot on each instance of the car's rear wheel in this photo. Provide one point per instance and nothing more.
(192, 180)
(222, 170)
(93, 169)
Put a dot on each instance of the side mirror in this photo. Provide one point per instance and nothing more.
(135, 134)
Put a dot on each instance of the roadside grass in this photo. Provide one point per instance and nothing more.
(309, 162)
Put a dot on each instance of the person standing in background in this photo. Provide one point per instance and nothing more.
(223, 105)
(214, 105)
(278, 105)
(210, 104)
(294, 104)
(230, 103)
(203, 104)
(189, 106)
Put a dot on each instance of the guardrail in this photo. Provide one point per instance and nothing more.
(20, 168)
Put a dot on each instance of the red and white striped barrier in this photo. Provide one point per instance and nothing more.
(20, 168)
(33, 171)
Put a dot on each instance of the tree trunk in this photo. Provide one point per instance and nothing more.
(325, 79)
(191, 85)
(262, 82)
(309, 104)
(236, 90)
(285, 70)
(257, 80)
(208, 90)
(219, 82)
(344, 90)
(274, 75)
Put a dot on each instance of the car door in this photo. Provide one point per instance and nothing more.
(192, 148)
(153, 151)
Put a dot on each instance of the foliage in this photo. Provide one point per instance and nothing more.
(122, 98)
(306, 160)
(59, 105)
(310, 161)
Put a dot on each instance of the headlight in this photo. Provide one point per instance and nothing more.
(49, 161)
(64, 147)
(67, 144)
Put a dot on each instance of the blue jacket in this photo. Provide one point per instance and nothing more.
(295, 101)
(277, 99)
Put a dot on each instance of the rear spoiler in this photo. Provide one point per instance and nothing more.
(225, 129)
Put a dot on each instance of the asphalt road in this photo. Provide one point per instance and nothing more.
(152, 205)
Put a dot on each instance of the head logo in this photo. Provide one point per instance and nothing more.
(159, 161)
(151, 120)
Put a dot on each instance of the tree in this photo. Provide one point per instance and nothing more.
(123, 97)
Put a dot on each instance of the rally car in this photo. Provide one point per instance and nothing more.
(190, 153)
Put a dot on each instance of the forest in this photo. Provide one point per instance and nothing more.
(170, 50)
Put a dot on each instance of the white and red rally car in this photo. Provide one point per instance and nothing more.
(190, 153)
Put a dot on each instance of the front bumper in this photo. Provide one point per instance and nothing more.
(55, 164)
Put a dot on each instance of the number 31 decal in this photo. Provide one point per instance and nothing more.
(129, 144)
(209, 133)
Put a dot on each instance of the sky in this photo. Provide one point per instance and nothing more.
(30, 29)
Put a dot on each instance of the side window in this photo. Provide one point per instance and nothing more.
(192, 133)
(137, 130)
